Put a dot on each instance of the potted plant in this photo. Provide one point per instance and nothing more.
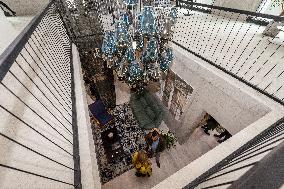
(170, 139)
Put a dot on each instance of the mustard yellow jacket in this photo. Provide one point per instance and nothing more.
(143, 168)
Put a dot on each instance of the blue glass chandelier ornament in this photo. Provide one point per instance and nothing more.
(138, 49)
(121, 35)
(152, 49)
(131, 2)
(126, 18)
(166, 59)
(148, 22)
(134, 74)
(173, 14)
(129, 55)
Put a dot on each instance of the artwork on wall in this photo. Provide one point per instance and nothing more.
(176, 94)
(168, 88)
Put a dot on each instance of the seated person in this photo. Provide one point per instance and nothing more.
(210, 125)
(155, 144)
(224, 134)
(142, 164)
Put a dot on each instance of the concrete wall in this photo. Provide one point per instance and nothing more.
(248, 5)
(26, 7)
(232, 107)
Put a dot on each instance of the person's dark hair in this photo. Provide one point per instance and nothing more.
(154, 133)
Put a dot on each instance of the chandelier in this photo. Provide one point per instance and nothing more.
(138, 48)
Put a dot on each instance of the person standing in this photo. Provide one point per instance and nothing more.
(223, 136)
(155, 144)
(210, 125)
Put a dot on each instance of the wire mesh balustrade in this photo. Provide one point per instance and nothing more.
(234, 42)
(38, 129)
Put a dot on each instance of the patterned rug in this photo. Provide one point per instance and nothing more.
(132, 139)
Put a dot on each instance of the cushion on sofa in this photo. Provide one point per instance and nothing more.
(146, 110)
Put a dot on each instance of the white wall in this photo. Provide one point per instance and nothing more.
(26, 7)
(233, 108)
(7, 32)
(248, 5)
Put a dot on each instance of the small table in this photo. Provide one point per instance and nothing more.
(111, 143)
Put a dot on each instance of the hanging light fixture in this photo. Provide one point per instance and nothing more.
(138, 48)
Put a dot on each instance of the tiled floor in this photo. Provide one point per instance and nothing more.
(171, 161)
(131, 138)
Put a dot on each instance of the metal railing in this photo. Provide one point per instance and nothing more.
(226, 172)
(228, 39)
(38, 106)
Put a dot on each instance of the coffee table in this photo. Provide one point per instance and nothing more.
(111, 144)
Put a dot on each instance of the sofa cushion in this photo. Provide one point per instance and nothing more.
(146, 109)
(143, 119)
(151, 114)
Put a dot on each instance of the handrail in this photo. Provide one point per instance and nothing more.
(232, 74)
(241, 77)
(277, 18)
(10, 54)
(37, 46)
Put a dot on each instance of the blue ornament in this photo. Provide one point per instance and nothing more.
(129, 55)
(166, 59)
(121, 34)
(173, 14)
(131, 2)
(134, 73)
(127, 20)
(148, 22)
(170, 54)
(109, 45)
(152, 49)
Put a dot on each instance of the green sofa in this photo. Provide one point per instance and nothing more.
(146, 109)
